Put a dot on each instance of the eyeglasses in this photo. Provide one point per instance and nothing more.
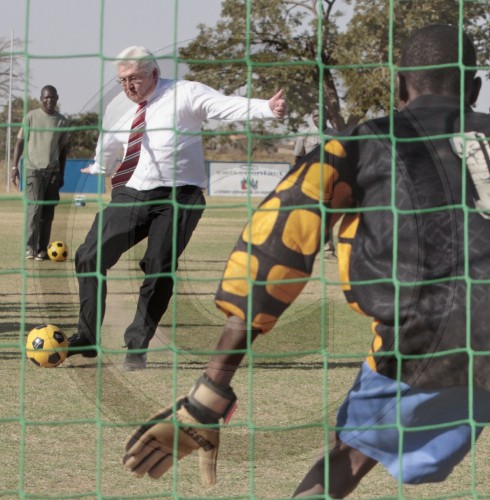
(131, 79)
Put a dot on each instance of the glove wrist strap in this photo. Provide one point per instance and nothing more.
(213, 400)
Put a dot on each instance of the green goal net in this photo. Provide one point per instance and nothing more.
(64, 428)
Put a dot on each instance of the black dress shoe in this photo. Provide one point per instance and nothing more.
(134, 362)
(77, 344)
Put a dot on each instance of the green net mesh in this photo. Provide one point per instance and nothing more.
(64, 429)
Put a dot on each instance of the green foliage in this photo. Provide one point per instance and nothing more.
(366, 42)
(83, 135)
(18, 111)
(271, 51)
(320, 60)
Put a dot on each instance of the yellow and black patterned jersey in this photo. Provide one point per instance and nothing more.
(414, 241)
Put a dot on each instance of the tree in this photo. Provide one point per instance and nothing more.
(17, 115)
(84, 134)
(302, 46)
(368, 89)
(6, 67)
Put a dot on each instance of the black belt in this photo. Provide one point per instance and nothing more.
(187, 188)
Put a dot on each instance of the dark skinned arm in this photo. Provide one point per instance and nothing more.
(224, 363)
(18, 150)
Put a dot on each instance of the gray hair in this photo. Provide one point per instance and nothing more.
(140, 57)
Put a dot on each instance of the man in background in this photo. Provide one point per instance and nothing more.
(44, 161)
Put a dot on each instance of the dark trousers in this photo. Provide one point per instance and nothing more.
(148, 214)
(41, 186)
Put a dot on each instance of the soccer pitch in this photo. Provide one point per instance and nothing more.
(64, 429)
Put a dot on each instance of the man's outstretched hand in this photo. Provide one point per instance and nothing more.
(278, 105)
(86, 170)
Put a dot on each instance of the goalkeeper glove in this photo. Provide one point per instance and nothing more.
(150, 449)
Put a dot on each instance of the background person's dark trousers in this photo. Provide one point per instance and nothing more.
(41, 186)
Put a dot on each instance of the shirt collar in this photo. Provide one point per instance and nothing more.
(161, 84)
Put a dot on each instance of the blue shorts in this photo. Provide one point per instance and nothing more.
(411, 455)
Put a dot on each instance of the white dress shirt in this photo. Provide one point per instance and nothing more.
(171, 151)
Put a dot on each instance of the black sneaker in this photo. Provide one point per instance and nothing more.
(77, 344)
(134, 362)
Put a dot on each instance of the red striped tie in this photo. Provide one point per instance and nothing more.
(126, 169)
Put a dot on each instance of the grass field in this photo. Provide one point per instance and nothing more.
(64, 429)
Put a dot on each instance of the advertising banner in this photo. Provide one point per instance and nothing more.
(239, 179)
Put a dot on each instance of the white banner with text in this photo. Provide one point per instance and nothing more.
(240, 179)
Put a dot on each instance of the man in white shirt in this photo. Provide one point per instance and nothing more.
(168, 168)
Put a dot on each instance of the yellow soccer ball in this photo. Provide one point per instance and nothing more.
(46, 346)
(58, 251)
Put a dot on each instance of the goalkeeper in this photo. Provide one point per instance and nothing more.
(417, 237)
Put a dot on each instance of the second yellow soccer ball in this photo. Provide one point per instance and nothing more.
(58, 251)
